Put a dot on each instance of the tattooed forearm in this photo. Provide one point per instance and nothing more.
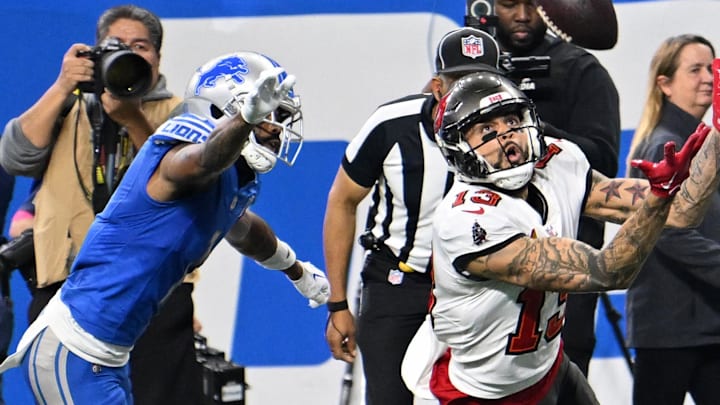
(563, 264)
(222, 149)
(620, 190)
(638, 191)
(611, 190)
(615, 200)
(545, 264)
(631, 245)
(692, 200)
(620, 261)
(554, 262)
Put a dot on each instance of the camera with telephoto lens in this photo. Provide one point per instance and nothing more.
(19, 253)
(122, 72)
(480, 14)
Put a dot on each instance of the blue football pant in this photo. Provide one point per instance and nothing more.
(57, 376)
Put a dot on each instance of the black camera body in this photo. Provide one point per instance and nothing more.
(480, 14)
(19, 253)
(223, 380)
(122, 72)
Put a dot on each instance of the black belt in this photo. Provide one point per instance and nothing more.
(381, 268)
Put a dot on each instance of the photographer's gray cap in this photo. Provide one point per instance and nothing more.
(466, 50)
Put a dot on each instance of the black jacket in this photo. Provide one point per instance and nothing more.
(578, 101)
(674, 302)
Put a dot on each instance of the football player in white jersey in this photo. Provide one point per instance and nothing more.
(504, 247)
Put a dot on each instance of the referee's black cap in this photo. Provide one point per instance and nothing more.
(467, 50)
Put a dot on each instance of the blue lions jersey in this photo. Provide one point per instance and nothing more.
(138, 249)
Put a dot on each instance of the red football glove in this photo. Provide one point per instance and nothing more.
(666, 176)
(716, 93)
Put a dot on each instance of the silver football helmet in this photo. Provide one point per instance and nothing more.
(218, 89)
(475, 98)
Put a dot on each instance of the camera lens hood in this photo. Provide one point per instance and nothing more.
(126, 74)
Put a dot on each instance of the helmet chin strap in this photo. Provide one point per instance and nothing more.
(514, 178)
(258, 157)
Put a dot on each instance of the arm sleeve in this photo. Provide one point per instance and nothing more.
(18, 155)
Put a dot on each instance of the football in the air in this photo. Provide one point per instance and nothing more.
(590, 24)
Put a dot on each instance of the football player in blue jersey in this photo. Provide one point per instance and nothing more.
(190, 185)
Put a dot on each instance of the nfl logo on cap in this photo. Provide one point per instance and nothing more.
(466, 50)
(472, 47)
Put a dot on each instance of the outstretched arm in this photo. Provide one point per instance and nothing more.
(563, 264)
(191, 165)
(254, 238)
(693, 199)
(615, 200)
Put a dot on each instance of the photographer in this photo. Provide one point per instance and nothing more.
(57, 138)
(577, 101)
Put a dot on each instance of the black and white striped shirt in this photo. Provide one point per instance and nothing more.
(395, 151)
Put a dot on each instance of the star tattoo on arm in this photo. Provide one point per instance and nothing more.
(612, 190)
(637, 191)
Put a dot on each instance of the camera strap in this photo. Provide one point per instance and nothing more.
(111, 153)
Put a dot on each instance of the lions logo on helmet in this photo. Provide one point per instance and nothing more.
(233, 67)
(475, 98)
(217, 90)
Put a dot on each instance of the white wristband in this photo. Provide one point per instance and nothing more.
(282, 259)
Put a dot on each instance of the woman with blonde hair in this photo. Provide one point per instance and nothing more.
(663, 69)
(673, 313)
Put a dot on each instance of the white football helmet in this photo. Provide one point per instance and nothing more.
(218, 89)
(475, 98)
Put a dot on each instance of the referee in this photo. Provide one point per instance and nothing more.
(395, 157)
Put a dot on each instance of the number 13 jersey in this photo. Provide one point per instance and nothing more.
(503, 337)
